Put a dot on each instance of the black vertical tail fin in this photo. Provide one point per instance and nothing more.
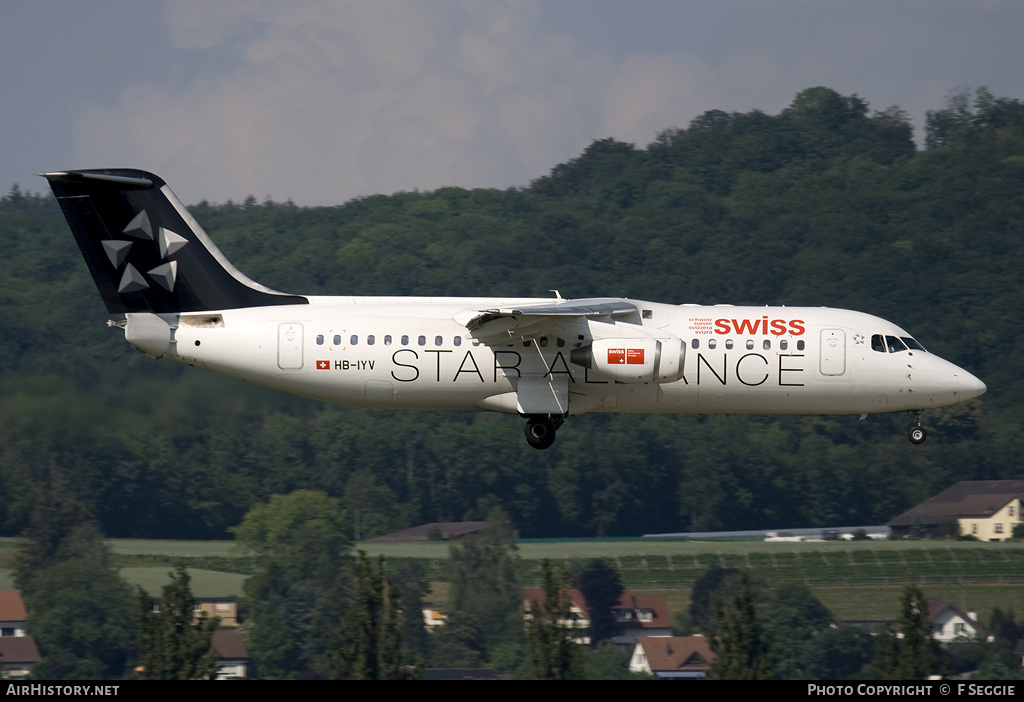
(145, 250)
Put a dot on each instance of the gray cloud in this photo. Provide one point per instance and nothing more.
(323, 100)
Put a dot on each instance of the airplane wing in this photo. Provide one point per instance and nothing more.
(511, 324)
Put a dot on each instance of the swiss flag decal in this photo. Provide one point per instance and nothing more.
(625, 357)
(323, 365)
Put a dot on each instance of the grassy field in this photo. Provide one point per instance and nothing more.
(856, 580)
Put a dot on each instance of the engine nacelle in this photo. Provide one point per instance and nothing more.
(633, 360)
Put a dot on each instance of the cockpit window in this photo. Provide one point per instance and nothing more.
(894, 344)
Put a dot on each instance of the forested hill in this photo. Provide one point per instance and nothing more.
(825, 203)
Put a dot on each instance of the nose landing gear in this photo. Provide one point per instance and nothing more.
(917, 434)
(540, 430)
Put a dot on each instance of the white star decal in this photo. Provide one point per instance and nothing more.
(119, 252)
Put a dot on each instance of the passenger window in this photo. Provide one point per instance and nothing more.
(387, 340)
(543, 342)
(877, 343)
(560, 342)
(783, 344)
(712, 343)
(767, 345)
(695, 343)
(422, 340)
(337, 339)
(319, 339)
(405, 339)
(438, 340)
(647, 314)
(800, 345)
(354, 339)
(750, 344)
(457, 341)
(728, 343)
(370, 340)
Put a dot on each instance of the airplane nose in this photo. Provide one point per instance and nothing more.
(968, 386)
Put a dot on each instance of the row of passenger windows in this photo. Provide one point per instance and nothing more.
(894, 344)
(371, 339)
(766, 344)
(421, 340)
(543, 342)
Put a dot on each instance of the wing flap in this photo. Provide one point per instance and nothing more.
(511, 324)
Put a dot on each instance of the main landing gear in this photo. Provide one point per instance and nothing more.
(917, 434)
(540, 429)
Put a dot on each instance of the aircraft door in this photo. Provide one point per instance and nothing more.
(832, 360)
(289, 346)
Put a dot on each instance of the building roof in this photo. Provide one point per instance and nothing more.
(536, 594)
(968, 498)
(18, 649)
(449, 531)
(228, 643)
(660, 617)
(628, 602)
(12, 608)
(676, 653)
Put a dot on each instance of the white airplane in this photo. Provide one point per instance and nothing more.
(543, 359)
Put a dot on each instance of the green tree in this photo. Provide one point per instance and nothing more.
(83, 620)
(80, 609)
(886, 661)
(295, 595)
(705, 594)
(175, 643)
(550, 632)
(371, 640)
(912, 655)
(793, 620)
(741, 649)
(917, 652)
(839, 654)
(413, 584)
(61, 528)
(602, 588)
(486, 598)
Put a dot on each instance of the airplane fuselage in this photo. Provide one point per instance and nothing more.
(411, 353)
(544, 359)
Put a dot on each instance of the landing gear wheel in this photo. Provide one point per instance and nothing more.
(540, 432)
(917, 435)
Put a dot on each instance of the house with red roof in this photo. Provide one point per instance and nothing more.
(672, 657)
(18, 650)
(635, 615)
(13, 615)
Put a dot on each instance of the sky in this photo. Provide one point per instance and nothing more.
(322, 101)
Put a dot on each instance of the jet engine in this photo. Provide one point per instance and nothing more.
(633, 360)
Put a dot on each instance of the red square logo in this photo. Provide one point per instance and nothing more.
(616, 356)
(323, 365)
(635, 356)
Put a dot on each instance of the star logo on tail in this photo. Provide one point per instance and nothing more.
(140, 233)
